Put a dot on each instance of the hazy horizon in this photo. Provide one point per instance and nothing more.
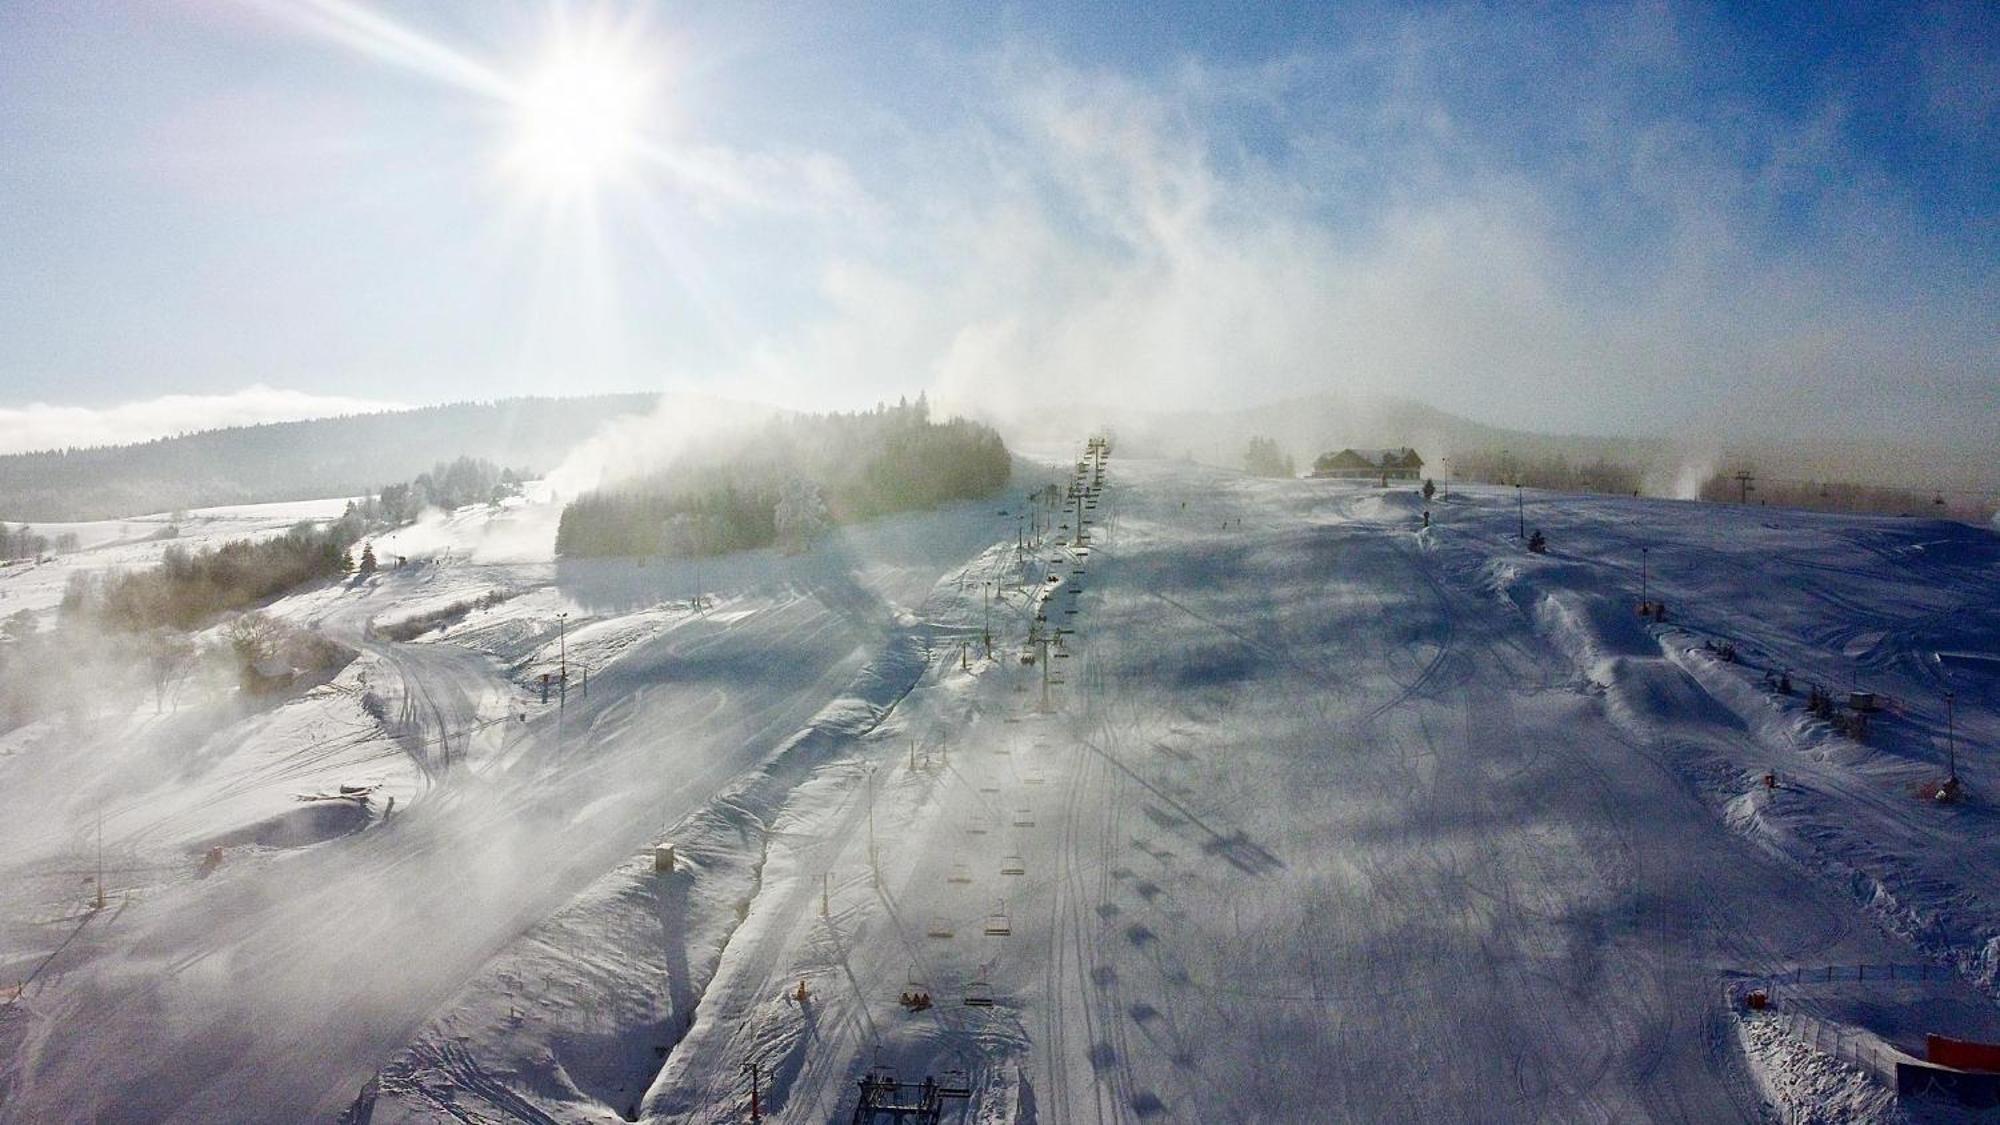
(1649, 220)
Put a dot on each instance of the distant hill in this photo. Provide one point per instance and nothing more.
(1315, 424)
(1310, 425)
(321, 457)
(1673, 464)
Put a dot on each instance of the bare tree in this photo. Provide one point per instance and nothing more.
(169, 655)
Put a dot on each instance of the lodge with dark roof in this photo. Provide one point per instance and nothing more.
(1381, 464)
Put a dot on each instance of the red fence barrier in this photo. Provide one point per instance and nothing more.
(1962, 1054)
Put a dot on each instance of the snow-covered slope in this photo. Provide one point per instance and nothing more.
(1329, 817)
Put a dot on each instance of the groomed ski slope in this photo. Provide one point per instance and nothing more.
(1330, 817)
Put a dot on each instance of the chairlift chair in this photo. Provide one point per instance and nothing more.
(977, 826)
(1013, 865)
(916, 993)
(978, 994)
(1024, 818)
(941, 927)
(997, 923)
(960, 873)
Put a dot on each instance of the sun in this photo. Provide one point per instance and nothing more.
(577, 121)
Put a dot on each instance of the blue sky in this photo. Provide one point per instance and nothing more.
(1612, 218)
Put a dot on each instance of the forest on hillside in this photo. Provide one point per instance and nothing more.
(347, 456)
(787, 481)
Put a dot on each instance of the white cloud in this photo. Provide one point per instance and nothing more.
(44, 426)
(1110, 238)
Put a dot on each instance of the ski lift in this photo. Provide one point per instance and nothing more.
(1024, 818)
(960, 873)
(916, 993)
(978, 994)
(1013, 865)
(940, 928)
(977, 826)
(997, 923)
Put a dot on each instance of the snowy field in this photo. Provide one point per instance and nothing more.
(106, 545)
(1328, 817)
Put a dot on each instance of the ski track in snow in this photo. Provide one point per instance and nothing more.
(1331, 819)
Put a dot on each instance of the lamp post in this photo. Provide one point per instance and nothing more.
(562, 649)
(1520, 510)
(1643, 599)
(1950, 736)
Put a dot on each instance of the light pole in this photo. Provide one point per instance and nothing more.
(1643, 599)
(986, 629)
(1950, 737)
(562, 649)
(1520, 510)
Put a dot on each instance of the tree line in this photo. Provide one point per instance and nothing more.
(1263, 458)
(22, 542)
(1553, 471)
(785, 482)
(190, 588)
(448, 485)
(1843, 496)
